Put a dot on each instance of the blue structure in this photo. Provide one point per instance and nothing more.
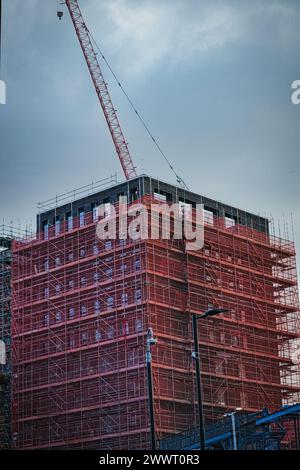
(255, 431)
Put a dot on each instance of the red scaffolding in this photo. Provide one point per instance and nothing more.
(81, 310)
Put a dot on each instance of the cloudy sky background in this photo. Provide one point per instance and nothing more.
(212, 80)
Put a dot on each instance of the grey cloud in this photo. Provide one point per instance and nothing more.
(213, 82)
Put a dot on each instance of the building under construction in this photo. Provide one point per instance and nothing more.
(82, 308)
(6, 237)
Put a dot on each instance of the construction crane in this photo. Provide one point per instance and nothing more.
(86, 41)
(109, 111)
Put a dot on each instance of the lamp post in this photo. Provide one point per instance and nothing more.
(150, 342)
(196, 356)
(232, 417)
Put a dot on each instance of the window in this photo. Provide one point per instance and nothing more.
(132, 357)
(72, 341)
(46, 292)
(107, 207)
(104, 363)
(58, 289)
(84, 337)
(96, 276)
(57, 261)
(133, 386)
(208, 217)
(45, 229)
(185, 207)
(71, 284)
(229, 222)
(124, 298)
(81, 216)
(124, 328)
(110, 302)
(159, 196)
(82, 251)
(94, 208)
(83, 281)
(134, 194)
(69, 219)
(46, 319)
(46, 264)
(138, 326)
(109, 272)
(83, 310)
(58, 317)
(97, 306)
(123, 268)
(137, 264)
(110, 332)
(98, 335)
(71, 312)
(70, 256)
(57, 225)
(95, 249)
(138, 295)
(108, 245)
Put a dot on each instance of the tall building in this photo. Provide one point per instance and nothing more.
(6, 237)
(82, 308)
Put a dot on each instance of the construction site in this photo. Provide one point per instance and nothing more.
(77, 312)
(81, 309)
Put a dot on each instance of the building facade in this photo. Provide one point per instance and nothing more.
(82, 308)
(5, 336)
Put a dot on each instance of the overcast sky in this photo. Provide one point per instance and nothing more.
(212, 79)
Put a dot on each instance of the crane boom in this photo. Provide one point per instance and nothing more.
(101, 89)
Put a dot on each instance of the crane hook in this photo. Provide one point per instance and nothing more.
(60, 13)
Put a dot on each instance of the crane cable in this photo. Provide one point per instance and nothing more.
(178, 178)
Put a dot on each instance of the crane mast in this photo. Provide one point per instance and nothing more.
(110, 114)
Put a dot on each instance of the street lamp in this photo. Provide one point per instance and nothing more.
(196, 356)
(150, 342)
(232, 416)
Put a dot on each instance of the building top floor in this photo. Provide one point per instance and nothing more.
(146, 185)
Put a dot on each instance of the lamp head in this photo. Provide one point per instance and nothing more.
(211, 312)
(150, 337)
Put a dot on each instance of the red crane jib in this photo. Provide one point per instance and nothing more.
(101, 89)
